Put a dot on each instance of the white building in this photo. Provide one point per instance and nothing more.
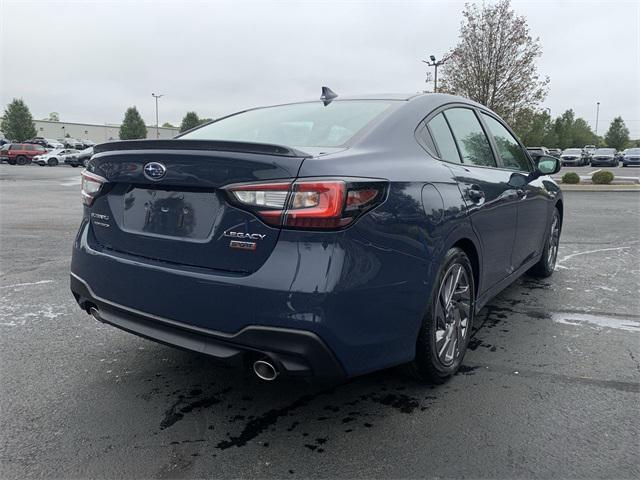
(93, 132)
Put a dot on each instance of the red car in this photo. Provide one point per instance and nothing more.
(20, 153)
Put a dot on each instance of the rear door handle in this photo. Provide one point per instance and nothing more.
(475, 193)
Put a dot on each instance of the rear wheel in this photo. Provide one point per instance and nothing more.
(444, 335)
(547, 263)
(21, 160)
(52, 162)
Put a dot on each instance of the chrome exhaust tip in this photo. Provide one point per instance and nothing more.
(93, 311)
(265, 370)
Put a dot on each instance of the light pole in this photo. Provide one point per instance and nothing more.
(157, 96)
(435, 63)
(597, 115)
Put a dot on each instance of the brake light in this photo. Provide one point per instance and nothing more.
(91, 186)
(310, 204)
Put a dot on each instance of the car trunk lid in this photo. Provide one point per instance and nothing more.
(164, 201)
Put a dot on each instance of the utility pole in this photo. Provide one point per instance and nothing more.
(157, 96)
(435, 63)
(597, 115)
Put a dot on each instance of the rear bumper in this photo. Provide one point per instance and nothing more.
(294, 352)
(345, 305)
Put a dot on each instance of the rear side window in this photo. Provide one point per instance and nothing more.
(471, 139)
(296, 125)
(443, 139)
(512, 155)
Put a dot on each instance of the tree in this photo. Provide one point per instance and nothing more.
(17, 122)
(133, 126)
(53, 117)
(167, 125)
(618, 134)
(190, 120)
(205, 120)
(534, 128)
(494, 62)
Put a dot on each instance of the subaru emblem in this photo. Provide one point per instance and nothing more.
(154, 170)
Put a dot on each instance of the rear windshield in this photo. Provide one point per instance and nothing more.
(296, 125)
(572, 151)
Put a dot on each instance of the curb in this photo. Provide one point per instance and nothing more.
(600, 188)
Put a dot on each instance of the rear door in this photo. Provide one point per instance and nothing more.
(533, 199)
(183, 217)
(490, 200)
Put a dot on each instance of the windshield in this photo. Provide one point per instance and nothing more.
(572, 151)
(633, 151)
(296, 125)
(605, 151)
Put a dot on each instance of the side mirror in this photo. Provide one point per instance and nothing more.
(548, 165)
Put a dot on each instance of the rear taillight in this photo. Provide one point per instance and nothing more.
(309, 204)
(91, 185)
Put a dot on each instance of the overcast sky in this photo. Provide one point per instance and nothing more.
(90, 60)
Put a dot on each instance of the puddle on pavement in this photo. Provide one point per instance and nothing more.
(597, 321)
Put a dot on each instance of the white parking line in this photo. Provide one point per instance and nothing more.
(40, 282)
(72, 182)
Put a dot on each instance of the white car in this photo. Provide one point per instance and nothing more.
(55, 157)
(53, 144)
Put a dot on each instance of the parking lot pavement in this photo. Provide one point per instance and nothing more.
(549, 388)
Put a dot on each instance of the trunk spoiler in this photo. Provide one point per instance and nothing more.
(217, 145)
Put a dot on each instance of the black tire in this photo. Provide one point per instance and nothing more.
(547, 263)
(21, 160)
(11, 162)
(52, 162)
(428, 364)
(74, 165)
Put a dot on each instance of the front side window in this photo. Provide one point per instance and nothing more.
(443, 139)
(297, 125)
(470, 138)
(512, 155)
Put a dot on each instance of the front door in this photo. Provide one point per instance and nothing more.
(533, 198)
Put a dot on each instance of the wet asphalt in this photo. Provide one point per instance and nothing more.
(550, 387)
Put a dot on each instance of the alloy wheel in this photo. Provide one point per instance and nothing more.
(452, 314)
(554, 242)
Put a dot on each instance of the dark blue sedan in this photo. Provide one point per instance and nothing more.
(321, 239)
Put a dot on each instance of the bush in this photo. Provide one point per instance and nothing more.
(603, 177)
(571, 177)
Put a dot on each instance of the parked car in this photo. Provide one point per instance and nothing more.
(604, 157)
(72, 143)
(631, 157)
(48, 143)
(88, 143)
(555, 152)
(537, 152)
(55, 157)
(588, 151)
(80, 159)
(3, 141)
(20, 153)
(572, 157)
(327, 238)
